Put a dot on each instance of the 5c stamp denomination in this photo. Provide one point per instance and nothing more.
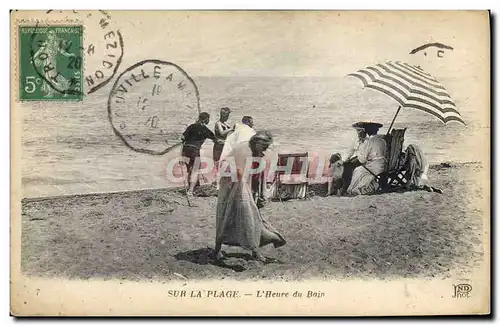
(50, 64)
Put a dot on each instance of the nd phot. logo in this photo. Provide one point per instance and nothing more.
(462, 291)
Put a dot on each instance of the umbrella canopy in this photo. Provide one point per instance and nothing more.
(411, 87)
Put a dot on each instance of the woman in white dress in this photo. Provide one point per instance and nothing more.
(372, 157)
(238, 219)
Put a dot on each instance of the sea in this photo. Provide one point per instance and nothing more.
(70, 148)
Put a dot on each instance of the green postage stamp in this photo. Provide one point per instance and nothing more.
(50, 63)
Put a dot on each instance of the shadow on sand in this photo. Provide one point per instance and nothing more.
(206, 256)
(235, 261)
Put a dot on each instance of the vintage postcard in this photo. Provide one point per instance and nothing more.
(250, 163)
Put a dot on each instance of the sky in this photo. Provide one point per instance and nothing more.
(319, 44)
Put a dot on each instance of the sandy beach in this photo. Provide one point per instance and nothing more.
(155, 234)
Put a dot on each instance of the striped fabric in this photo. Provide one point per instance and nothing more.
(411, 87)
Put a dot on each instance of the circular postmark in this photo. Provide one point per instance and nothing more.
(69, 63)
(149, 105)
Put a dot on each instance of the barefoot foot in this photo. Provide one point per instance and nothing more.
(259, 257)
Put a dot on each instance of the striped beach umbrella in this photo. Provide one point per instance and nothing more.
(411, 87)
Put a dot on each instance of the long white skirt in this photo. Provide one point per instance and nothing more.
(239, 222)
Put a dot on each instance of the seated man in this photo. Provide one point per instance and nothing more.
(416, 166)
(415, 169)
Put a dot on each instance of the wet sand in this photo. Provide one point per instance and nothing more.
(154, 234)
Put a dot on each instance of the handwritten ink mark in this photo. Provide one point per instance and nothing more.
(425, 46)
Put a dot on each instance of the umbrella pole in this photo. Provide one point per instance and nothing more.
(393, 119)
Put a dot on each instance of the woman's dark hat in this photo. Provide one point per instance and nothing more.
(367, 125)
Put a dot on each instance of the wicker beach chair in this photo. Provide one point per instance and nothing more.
(295, 179)
(394, 175)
